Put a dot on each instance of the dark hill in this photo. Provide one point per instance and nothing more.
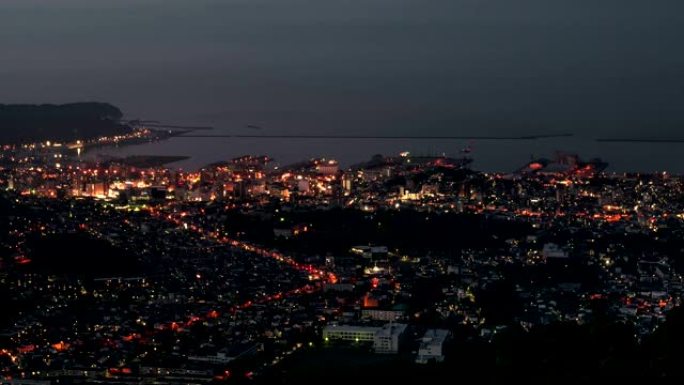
(25, 123)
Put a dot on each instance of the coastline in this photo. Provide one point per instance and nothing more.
(159, 135)
(141, 161)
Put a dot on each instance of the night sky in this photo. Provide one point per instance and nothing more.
(357, 66)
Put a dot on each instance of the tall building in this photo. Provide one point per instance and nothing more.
(346, 184)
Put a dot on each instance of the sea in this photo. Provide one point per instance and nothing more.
(489, 155)
(609, 68)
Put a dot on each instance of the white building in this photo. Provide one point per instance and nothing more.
(432, 345)
(385, 339)
(350, 333)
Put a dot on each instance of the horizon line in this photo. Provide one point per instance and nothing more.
(461, 137)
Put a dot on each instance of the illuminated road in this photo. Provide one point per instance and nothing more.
(182, 220)
(315, 274)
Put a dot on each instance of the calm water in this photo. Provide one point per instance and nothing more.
(489, 155)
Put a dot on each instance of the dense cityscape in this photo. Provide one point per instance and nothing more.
(125, 271)
(302, 192)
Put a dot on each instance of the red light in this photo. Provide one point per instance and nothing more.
(22, 260)
(131, 337)
(26, 349)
